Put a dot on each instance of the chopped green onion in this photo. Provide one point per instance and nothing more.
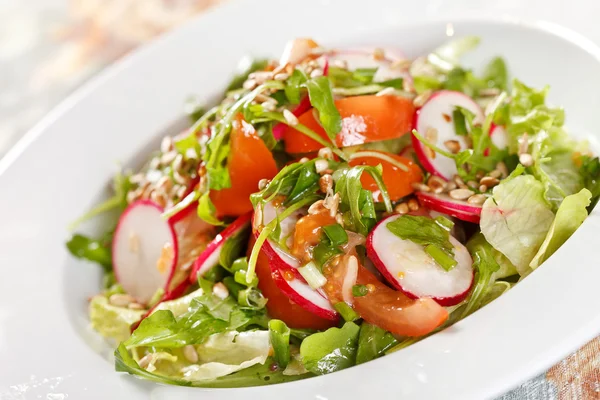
(279, 334)
(460, 125)
(359, 290)
(241, 278)
(381, 156)
(323, 252)
(233, 287)
(336, 234)
(346, 311)
(239, 264)
(444, 223)
(251, 298)
(313, 275)
(441, 257)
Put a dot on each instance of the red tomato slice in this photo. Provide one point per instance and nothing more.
(384, 307)
(397, 181)
(364, 119)
(249, 161)
(280, 306)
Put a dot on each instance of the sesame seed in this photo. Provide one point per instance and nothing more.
(420, 187)
(326, 183)
(502, 168)
(489, 181)
(477, 199)
(316, 73)
(326, 153)
(166, 145)
(190, 353)
(452, 145)
(290, 118)
(385, 92)
(321, 165)
(120, 300)
(220, 290)
(250, 84)
(421, 99)
(461, 194)
(436, 184)
(413, 204)
(401, 208)
(495, 174)
(526, 159)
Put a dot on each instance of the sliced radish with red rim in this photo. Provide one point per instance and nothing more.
(447, 205)
(436, 114)
(407, 267)
(151, 253)
(499, 136)
(211, 256)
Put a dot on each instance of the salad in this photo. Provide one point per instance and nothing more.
(335, 206)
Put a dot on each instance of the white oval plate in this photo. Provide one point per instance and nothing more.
(62, 167)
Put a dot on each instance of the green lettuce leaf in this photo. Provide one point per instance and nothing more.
(110, 321)
(225, 353)
(555, 166)
(332, 350)
(516, 219)
(570, 215)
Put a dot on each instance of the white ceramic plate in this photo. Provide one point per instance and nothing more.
(64, 166)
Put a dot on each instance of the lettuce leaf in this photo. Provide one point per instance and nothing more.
(332, 350)
(570, 215)
(516, 219)
(110, 321)
(225, 353)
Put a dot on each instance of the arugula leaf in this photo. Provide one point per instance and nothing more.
(207, 210)
(336, 234)
(188, 143)
(570, 215)
(97, 251)
(294, 85)
(307, 183)
(486, 266)
(496, 74)
(332, 350)
(421, 230)
(280, 340)
(121, 186)
(357, 203)
(321, 98)
(233, 247)
(373, 342)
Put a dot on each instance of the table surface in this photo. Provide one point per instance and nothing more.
(50, 47)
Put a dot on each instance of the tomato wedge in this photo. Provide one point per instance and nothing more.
(280, 306)
(249, 161)
(384, 307)
(397, 181)
(364, 119)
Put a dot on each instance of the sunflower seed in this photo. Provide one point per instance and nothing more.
(477, 199)
(401, 208)
(526, 159)
(461, 194)
(190, 353)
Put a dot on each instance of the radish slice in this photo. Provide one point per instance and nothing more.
(212, 254)
(447, 205)
(437, 114)
(302, 294)
(284, 266)
(499, 136)
(408, 268)
(150, 253)
(141, 238)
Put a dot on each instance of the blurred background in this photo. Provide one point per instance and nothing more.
(50, 47)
